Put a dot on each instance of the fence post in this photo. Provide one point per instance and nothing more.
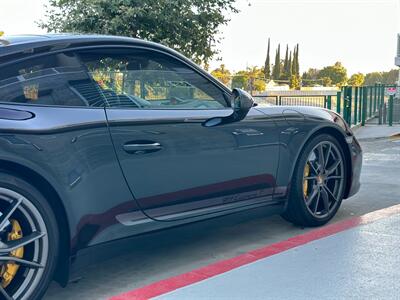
(380, 106)
(390, 112)
(384, 119)
(355, 103)
(338, 100)
(375, 87)
(329, 102)
(345, 103)
(359, 104)
(369, 89)
(349, 104)
(364, 106)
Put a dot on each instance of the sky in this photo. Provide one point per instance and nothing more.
(359, 33)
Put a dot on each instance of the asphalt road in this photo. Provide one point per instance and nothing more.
(186, 248)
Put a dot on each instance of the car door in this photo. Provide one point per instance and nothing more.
(174, 165)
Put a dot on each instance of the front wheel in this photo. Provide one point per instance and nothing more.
(28, 240)
(318, 184)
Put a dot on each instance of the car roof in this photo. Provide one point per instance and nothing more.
(25, 45)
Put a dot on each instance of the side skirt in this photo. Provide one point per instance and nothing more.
(107, 250)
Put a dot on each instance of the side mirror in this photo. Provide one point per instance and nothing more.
(241, 102)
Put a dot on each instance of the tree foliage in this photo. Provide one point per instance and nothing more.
(326, 81)
(337, 73)
(267, 65)
(356, 79)
(222, 74)
(295, 63)
(311, 77)
(372, 78)
(250, 80)
(256, 79)
(276, 71)
(295, 82)
(286, 66)
(189, 26)
(294, 70)
(389, 77)
(240, 80)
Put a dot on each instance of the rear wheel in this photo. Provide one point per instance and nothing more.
(28, 240)
(318, 184)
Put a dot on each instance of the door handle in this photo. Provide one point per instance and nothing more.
(140, 148)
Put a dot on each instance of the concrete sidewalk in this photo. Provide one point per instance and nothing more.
(357, 259)
(372, 131)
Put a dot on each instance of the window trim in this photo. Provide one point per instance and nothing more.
(226, 93)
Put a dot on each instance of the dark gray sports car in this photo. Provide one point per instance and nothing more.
(104, 138)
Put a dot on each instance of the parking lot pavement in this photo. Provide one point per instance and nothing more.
(193, 246)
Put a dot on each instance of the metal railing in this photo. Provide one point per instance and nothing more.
(357, 105)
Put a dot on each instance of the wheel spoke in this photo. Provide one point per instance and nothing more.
(312, 196)
(312, 166)
(329, 191)
(310, 178)
(4, 294)
(321, 158)
(328, 153)
(15, 244)
(334, 177)
(8, 212)
(333, 168)
(325, 199)
(20, 261)
(317, 201)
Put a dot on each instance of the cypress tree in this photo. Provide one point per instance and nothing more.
(285, 74)
(290, 65)
(267, 67)
(276, 73)
(297, 61)
(295, 80)
(294, 62)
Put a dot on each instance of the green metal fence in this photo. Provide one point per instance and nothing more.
(357, 105)
(368, 102)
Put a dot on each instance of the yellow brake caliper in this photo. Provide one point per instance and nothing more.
(9, 270)
(305, 181)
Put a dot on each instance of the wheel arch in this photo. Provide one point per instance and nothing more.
(340, 137)
(61, 274)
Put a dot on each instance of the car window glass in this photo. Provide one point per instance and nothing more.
(144, 79)
(59, 79)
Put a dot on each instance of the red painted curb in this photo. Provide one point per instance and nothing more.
(179, 281)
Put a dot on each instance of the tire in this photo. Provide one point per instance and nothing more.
(37, 223)
(316, 193)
